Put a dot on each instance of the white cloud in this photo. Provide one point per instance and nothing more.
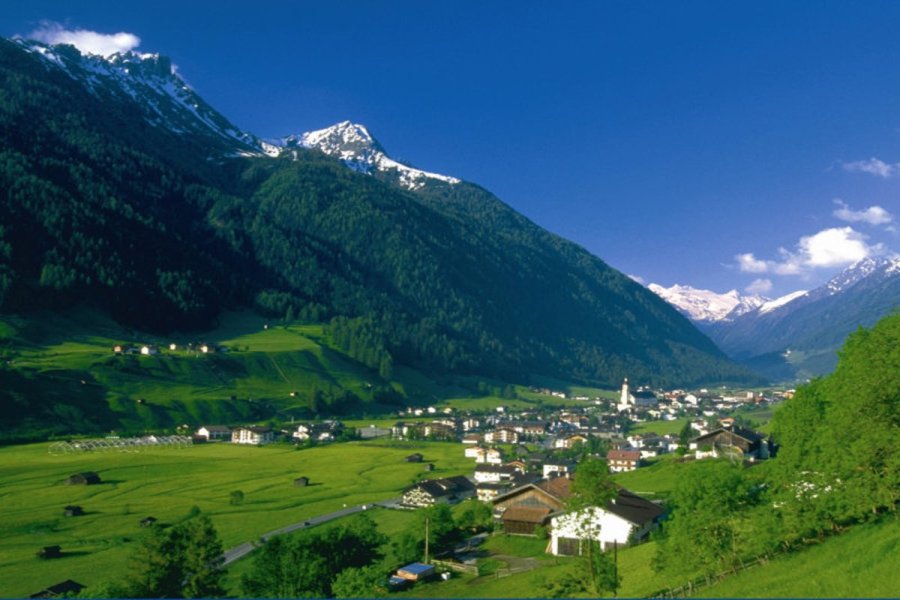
(872, 166)
(748, 263)
(835, 247)
(874, 215)
(759, 286)
(829, 248)
(639, 279)
(88, 42)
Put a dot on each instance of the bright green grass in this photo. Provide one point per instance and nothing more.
(655, 480)
(862, 562)
(661, 427)
(638, 578)
(279, 365)
(167, 483)
(516, 545)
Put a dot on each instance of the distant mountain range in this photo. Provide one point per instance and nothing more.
(127, 192)
(797, 335)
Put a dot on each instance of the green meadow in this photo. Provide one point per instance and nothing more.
(63, 364)
(854, 564)
(168, 483)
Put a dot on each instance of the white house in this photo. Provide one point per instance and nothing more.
(252, 435)
(506, 435)
(490, 456)
(495, 473)
(557, 469)
(474, 451)
(214, 432)
(624, 519)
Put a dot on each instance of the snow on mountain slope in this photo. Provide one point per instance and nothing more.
(167, 101)
(779, 302)
(705, 305)
(355, 146)
(152, 83)
(858, 271)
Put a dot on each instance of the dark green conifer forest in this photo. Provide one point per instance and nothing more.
(100, 208)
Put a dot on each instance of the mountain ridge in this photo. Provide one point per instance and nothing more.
(797, 335)
(443, 275)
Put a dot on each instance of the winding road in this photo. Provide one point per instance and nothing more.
(238, 552)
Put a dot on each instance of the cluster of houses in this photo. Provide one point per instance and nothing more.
(151, 349)
(559, 430)
(534, 501)
(529, 488)
(255, 435)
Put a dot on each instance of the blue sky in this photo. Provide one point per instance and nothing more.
(720, 145)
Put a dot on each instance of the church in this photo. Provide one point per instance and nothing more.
(641, 398)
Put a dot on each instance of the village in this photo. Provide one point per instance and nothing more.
(524, 461)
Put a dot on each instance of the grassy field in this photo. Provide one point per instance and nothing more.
(167, 483)
(657, 479)
(270, 370)
(860, 563)
(661, 427)
(638, 578)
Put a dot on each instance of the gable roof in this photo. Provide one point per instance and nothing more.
(216, 428)
(443, 487)
(558, 487)
(739, 433)
(633, 508)
(623, 455)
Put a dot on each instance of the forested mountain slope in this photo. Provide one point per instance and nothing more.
(113, 197)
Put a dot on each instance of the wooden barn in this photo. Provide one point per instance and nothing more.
(87, 478)
(50, 552)
(522, 520)
(301, 481)
(73, 511)
(524, 508)
(147, 522)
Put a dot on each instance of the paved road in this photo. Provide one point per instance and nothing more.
(233, 554)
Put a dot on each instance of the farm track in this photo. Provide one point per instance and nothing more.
(241, 550)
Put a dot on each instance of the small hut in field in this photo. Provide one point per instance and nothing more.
(87, 478)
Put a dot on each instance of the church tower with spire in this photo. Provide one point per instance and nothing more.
(625, 401)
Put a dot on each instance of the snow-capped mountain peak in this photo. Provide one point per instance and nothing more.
(857, 272)
(153, 84)
(168, 102)
(355, 146)
(706, 305)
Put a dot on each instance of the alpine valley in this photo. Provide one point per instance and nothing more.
(126, 194)
(798, 335)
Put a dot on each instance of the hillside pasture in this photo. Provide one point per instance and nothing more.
(854, 564)
(168, 483)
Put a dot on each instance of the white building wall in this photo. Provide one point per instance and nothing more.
(604, 527)
(487, 477)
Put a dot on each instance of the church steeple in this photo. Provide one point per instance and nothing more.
(625, 398)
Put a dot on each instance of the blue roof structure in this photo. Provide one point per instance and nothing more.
(417, 568)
